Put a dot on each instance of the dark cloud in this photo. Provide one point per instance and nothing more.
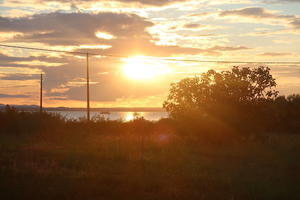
(79, 29)
(9, 59)
(58, 98)
(253, 12)
(5, 58)
(261, 13)
(74, 28)
(203, 14)
(224, 48)
(296, 23)
(14, 96)
(21, 77)
(192, 26)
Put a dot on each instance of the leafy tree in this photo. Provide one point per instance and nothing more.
(221, 92)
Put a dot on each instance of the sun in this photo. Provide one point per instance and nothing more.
(143, 68)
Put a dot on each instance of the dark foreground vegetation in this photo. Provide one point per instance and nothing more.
(46, 157)
(227, 145)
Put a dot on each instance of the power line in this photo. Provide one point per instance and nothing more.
(41, 49)
(227, 61)
(156, 58)
(58, 51)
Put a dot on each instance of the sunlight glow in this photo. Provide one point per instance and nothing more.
(129, 116)
(141, 68)
(104, 35)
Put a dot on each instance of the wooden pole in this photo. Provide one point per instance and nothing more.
(87, 87)
(41, 94)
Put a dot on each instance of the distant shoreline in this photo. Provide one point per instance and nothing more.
(114, 109)
(109, 109)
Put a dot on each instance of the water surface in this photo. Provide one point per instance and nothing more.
(125, 116)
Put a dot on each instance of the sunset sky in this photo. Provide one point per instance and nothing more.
(141, 32)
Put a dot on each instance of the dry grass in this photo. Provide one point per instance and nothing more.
(93, 165)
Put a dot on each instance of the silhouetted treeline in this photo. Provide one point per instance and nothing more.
(279, 115)
(13, 121)
(25, 122)
(242, 101)
(285, 113)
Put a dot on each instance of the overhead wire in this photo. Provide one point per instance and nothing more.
(156, 58)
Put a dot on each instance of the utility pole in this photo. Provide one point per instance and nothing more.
(87, 87)
(41, 93)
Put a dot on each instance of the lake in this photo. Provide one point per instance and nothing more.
(125, 116)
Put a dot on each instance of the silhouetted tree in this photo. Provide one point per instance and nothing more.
(220, 92)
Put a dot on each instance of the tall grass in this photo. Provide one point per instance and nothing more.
(44, 156)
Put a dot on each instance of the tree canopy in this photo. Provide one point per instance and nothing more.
(215, 91)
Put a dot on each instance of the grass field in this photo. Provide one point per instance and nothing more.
(125, 165)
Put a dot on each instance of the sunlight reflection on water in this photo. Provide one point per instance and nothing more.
(128, 116)
(125, 116)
